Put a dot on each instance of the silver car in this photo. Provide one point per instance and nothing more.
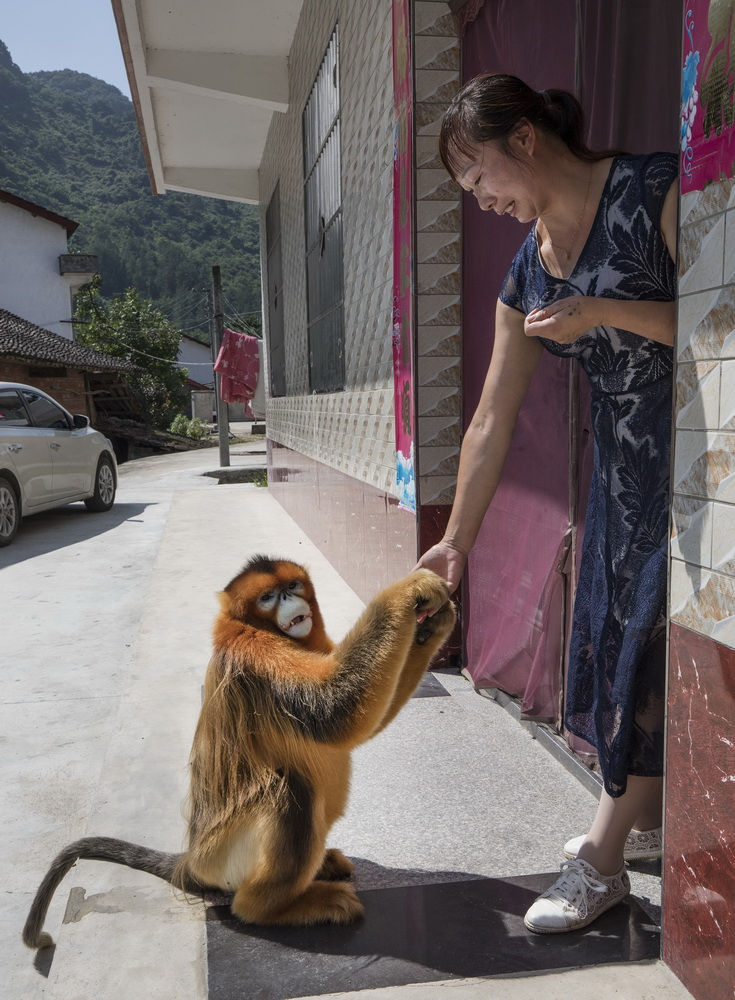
(48, 457)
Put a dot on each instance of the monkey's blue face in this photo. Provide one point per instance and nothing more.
(289, 610)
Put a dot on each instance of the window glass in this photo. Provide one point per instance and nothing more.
(323, 226)
(44, 413)
(12, 411)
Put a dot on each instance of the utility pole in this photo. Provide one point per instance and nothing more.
(223, 419)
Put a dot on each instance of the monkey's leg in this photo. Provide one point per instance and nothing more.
(335, 866)
(320, 902)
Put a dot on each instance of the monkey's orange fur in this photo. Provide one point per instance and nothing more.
(270, 764)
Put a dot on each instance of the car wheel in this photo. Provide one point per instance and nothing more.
(104, 487)
(9, 512)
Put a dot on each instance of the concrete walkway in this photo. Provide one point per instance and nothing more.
(105, 640)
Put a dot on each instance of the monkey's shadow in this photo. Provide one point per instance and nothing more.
(418, 927)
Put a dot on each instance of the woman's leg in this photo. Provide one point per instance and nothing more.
(639, 807)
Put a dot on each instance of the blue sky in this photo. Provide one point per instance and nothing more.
(64, 34)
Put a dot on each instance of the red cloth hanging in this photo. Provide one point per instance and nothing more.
(238, 366)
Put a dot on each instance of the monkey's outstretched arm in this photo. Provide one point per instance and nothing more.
(340, 698)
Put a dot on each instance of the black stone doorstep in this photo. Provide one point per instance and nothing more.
(416, 934)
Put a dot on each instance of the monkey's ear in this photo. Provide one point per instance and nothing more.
(225, 602)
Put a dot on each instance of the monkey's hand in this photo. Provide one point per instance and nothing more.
(429, 592)
(440, 624)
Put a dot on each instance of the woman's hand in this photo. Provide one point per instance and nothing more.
(562, 321)
(447, 561)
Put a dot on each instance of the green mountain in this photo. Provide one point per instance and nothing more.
(70, 142)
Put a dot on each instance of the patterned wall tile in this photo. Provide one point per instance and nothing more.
(433, 18)
(428, 118)
(698, 395)
(703, 601)
(436, 85)
(435, 185)
(433, 371)
(723, 538)
(704, 464)
(439, 340)
(438, 432)
(697, 205)
(439, 279)
(438, 217)
(726, 419)
(439, 401)
(437, 489)
(691, 530)
(438, 248)
(729, 264)
(427, 151)
(701, 247)
(706, 326)
(437, 52)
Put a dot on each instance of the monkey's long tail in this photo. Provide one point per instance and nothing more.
(165, 866)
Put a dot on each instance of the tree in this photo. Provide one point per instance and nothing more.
(132, 327)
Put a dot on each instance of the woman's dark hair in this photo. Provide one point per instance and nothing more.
(493, 105)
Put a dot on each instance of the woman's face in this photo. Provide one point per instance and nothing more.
(501, 182)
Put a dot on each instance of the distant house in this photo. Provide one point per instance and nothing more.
(198, 359)
(38, 275)
(78, 377)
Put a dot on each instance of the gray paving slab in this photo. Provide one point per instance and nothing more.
(106, 626)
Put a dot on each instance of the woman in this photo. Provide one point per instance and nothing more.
(595, 281)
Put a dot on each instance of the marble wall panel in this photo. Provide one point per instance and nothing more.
(699, 850)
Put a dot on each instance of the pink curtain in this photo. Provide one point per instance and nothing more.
(623, 60)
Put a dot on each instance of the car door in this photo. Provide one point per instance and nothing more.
(25, 450)
(73, 462)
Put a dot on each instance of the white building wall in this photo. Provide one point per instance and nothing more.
(198, 359)
(30, 283)
(353, 430)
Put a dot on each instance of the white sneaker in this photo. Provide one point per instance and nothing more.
(640, 845)
(578, 897)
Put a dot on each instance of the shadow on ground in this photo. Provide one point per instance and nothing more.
(55, 529)
(418, 927)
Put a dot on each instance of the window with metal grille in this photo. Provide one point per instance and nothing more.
(274, 271)
(323, 216)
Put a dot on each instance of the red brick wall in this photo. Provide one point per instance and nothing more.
(68, 388)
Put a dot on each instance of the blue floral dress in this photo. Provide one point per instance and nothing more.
(616, 677)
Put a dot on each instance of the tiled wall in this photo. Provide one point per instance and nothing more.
(703, 544)
(699, 857)
(351, 431)
(438, 255)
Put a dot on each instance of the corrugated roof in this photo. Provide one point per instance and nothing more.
(28, 342)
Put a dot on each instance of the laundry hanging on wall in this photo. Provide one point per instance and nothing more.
(238, 365)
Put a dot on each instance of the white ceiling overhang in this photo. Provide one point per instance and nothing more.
(206, 79)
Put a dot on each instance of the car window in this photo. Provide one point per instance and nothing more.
(12, 411)
(44, 413)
